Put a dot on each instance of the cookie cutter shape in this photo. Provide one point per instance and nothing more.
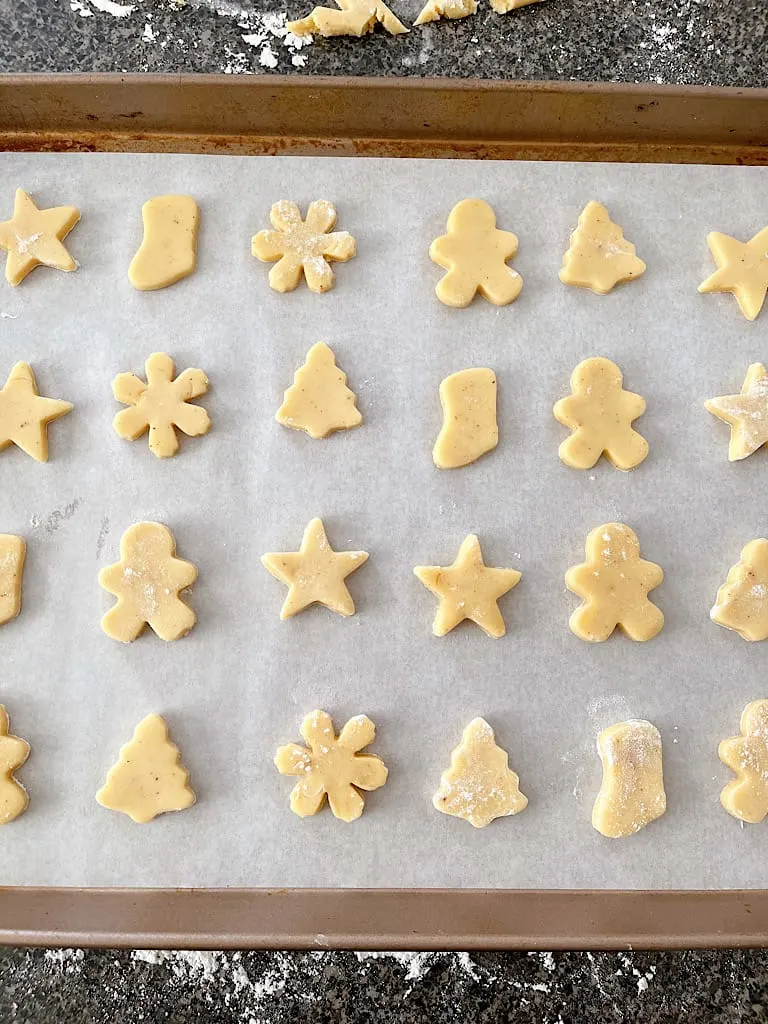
(746, 796)
(25, 414)
(13, 551)
(319, 401)
(13, 753)
(632, 792)
(168, 251)
(35, 237)
(742, 601)
(742, 270)
(599, 256)
(354, 18)
(745, 413)
(469, 418)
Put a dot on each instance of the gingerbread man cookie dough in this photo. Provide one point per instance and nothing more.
(34, 238)
(746, 413)
(305, 247)
(599, 256)
(742, 601)
(746, 796)
(469, 426)
(632, 793)
(742, 270)
(13, 753)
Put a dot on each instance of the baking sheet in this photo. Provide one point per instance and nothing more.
(239, 684)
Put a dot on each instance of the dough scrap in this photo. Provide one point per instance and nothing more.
(742, 601)
(331, 766)
(354, 18)
(479, 786)
(34, 237)
(599, 256)
(600, 413)
(319, 401)
(745, 413)
(315, 573)
(168, 250)
(746, 796)
(160, 405)
(469, 418)
(742, 269)
(632, 794)
(475, 254)
(299, 246)
(614, 582)
(13, 550)
(147, 582)
(13, 753)
(25, 415)
(148, 778)
(503, 6)
(468, 589)
(433, 10)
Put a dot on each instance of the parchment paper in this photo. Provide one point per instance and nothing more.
(239, 684)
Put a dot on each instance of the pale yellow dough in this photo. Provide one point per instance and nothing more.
(742, 601)
(34, 237)
(614, 582)
(600, 413)
(147, 582)
(25, 415)
(354, 18)
(599, 256)
(433, 10)
(331, 766)
(742, 269)
(746, 413)
(13, 550)
(13, 753)
(746, 796)
(319, 401)
(305, 247)
(469, 418)
(169, 248)
(149, 778)
(479, 786)
(632, 794)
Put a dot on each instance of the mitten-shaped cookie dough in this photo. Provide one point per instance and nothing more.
(632, 794)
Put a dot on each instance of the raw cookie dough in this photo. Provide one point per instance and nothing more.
(599, 256)
(25, 415)
(746, 413)
(12, 552)
(475, 254)
(433, 10)
(149, 778)
(746, 796)
(332, 766)
(600, 413)
(34, 237)
(160, 405)
(632, 794)
(319, 401)
(315, 573)
(742, 269)
(468, 589)
(302, 246)
(147, 582)
(479, 786)
(13, 753)
(354, 18)
(169, 248)
(469, 418)
(614, 582)
(742, 601)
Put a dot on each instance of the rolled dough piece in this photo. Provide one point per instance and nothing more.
(746, 796)
(632, 794)
(25, 415)
(319, 401)
(13, 753)
(599, 256)
(742, 601)
(742, 270)
(13, 550)
(169, 248)
(469, 418)
(34, 237)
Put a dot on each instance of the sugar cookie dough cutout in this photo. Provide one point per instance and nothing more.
(479, 786)
(469, 426)
(746, 413)
(25, 414)
(600, 413)
(453, 9)
(13, 753)
(632, 793)
(354, 18)
(34, 238)
(614, 583)
(160, 405)
(475, 254)
(168, 251)
(742, 270)
(148, 582)
(315, 574)
(305, 247)
(148, 778)
(13, 551)
(599, 256)
(332, 766)
(468, 589)
(742, 601)
(319, 401)
(746, 796)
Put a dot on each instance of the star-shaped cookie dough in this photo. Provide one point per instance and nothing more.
(742, 269)
(33, 237)
(24, 415)
(315, 573)
(746, 413)
(468, 589)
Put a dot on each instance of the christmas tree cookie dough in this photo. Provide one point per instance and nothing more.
(468, 589)
(160, 405)
(742, 269)
(13, 550)
(599, 256)
(332, 766)
(34, 237)
(632, 794)
(354, 18)
(305, 247)
(25, 415)
(169, 248)
(614, 582)
(479, 786)
(600, 413)
(746, 413)
(13, 753)
(469, 418)
(147, 582)
(475, 254)
(742, 601)
(319, 401)
(746, 796)
(149, 778)
(315, 573)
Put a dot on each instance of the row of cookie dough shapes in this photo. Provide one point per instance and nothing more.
(35, 237)
(13, 753)
(25, 414)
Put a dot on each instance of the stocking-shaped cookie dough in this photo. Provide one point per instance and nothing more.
(469, 418)
(13, 550)
(746, 796)
(632, 793)
(742, 601)
(13, 753)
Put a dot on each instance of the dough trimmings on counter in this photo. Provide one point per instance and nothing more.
(319, 401)
(469, 429)
(168, 250)
(35, 237)
(13, 550)
(25, 414)
(433, 10)
(632, 792)
(332, 766)
(746, 796)
(353, 18)
(148, 778)
(599, 256)
(614, 583)
(14, 751)
(742, 601)
(742, 270)
(746, 413)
